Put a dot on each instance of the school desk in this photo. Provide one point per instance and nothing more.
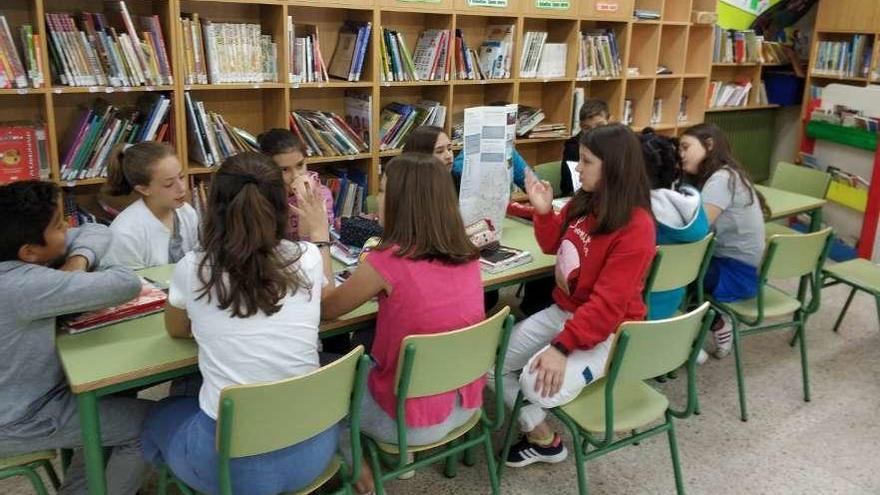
(784, 204)
(138, 353)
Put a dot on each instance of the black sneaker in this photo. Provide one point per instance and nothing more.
(524, 452)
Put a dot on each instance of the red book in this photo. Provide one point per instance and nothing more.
(150, 300)
(18, 154)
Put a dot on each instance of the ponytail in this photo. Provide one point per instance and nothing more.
(246, 220)
(132, 165)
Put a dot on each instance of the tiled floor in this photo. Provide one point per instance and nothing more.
(826, 446)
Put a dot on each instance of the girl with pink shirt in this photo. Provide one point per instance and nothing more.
(426, 274)
(287, 152)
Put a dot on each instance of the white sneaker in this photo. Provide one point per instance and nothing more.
(702, 357)
(722, 334)
(410, 458)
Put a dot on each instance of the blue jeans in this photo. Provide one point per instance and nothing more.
(180, 434)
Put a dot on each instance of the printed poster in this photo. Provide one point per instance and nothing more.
(553, 4)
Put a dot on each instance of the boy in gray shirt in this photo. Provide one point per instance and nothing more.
(45, 273)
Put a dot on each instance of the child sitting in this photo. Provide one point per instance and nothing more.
(47, 271)
(677, 210)
(593, 113)
(735, 211)
(160, 227)
(287, 152)
(252, 302)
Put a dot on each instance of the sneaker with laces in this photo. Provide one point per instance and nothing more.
(525, 452)
(722, 333)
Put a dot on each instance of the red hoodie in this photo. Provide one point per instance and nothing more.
(602, 274)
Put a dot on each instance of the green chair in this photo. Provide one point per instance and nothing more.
(552, 173)
(438, 363)
(674, 268)
(787, 257)
(623, 401)
(859, 274)
(261, 418)
(27, 465)
(797, 179)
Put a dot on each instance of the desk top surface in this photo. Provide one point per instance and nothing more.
(784, 204)
(141, 348)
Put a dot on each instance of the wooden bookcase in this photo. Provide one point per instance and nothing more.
(671, 41)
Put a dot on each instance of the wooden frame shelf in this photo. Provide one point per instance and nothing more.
(257, 106)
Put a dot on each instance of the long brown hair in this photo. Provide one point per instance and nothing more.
(719, 156)
(624, 183)
(423, 139)
(246, 220)
(421, 212)
(133, 166)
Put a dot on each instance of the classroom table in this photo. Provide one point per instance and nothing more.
(138, 353)
(784, 204)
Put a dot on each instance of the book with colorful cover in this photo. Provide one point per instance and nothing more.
(150, 300)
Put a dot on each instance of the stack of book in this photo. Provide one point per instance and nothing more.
(325, 134)
(737, 47)
(646, 14)
(351, 50)
(599, 54)
(220, 53)
(728, 93)
(150, 300)
(89, 51)
(19, 71)
(844, 58)
(657, 111)
(305, 60)
(577, 100)
(683, 109)
(527, 118)
(349, 190)
(429, 62)
(103, 126)
(359, 113)
(533, 46)
(553, 59)
(773, 52)
(24, 151)
(467, 61)
(496, 51)
(399, 119)
(210, 138)
(548, 130)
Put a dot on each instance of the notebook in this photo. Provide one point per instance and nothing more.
(150, 300)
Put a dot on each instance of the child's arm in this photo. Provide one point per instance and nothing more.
(177, 323)
(717, 195)
(364, 284)
(620, 281)
(91, 242)
(548, 224)
(47, 293)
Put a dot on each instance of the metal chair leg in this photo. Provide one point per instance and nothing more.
(843, 311)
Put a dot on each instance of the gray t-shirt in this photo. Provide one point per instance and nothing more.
(739, 229)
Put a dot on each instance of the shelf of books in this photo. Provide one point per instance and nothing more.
(351, 78)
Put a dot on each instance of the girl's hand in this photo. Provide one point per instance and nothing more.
(540, 194)
(549, 368)
(311, 209)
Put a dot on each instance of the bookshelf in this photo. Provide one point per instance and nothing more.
(672, 41)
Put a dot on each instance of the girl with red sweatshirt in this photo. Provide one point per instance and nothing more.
(604, 240)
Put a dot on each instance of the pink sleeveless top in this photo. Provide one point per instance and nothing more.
(426, 297)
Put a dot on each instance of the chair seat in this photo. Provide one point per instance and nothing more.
(324, 477)
(776, 303)
(859, 272)
(393, 448)
(23, 459)
(635, 405)
(773, 228)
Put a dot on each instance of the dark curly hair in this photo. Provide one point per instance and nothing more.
(662, 161)
(26, 208)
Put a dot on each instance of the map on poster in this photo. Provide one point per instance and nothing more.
(751, 6)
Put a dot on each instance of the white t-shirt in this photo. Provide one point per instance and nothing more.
(140, 240)
(240, 351)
